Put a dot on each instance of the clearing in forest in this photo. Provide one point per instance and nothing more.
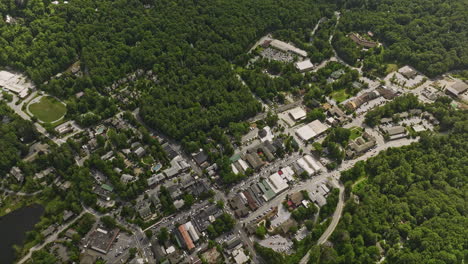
(47, 109)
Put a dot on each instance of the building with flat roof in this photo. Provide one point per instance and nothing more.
(277, 183)
(16, 83)
(297, 113)
(267, 190)
(101, 240)
(305, 65)
(396, 132)
(311, 130)
(312, 163)
(457, 88)
(192, 232)
(305, 166)
(286, 47)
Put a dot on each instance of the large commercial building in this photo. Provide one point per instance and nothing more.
(277, 183)
(286, 47)
(16, 83)
(311, 130)
(297, 114)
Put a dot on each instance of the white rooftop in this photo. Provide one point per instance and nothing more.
(287, 173)
(16, 83)
(304, 65)
(312, 163)
(311, 130)
(305, 166)
(269, 136)
(278, 184)
(240, 257)
(305, 132)
(297, 113)
(419, 128)
(283, 46)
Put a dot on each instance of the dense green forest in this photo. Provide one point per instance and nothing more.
(430, 35)
(189, 45)
(15, 133)
(192, 48)
(408, 204)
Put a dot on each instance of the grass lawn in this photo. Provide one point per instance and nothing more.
(48, 109)
(340, 95)
(356, 132)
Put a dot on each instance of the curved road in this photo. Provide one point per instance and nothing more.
(332, 226)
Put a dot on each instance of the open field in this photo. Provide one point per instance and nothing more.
(48, 109)
(340, 95)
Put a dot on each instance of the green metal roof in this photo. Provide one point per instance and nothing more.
(235, 157)
(266, 189)
(107, 187)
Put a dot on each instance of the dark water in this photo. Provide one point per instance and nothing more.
(13, 228)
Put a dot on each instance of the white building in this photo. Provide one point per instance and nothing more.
(305, 65)
(311, 130)
(243, 164)
(191, 231)
(287, 174)
(277, 183)
(16, 83)
(234, 169)
(286, 47)
(312, 163)
(305, 166)
(297, 113)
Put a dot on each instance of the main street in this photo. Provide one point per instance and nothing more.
(332, 175)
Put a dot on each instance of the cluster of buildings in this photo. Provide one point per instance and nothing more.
(356, 102)
(261, 192)
(264, 190)
(393, 130)
(255, 157)
(186, 235)
(319, 194)
(282, 51)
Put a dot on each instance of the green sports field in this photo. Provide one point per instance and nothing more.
(48, 109)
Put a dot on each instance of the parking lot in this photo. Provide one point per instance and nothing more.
(277, 243)
(371, 105)
(119, 251)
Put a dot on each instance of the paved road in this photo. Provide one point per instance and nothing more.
(49, 239)
(20, 193)
(333, 224)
